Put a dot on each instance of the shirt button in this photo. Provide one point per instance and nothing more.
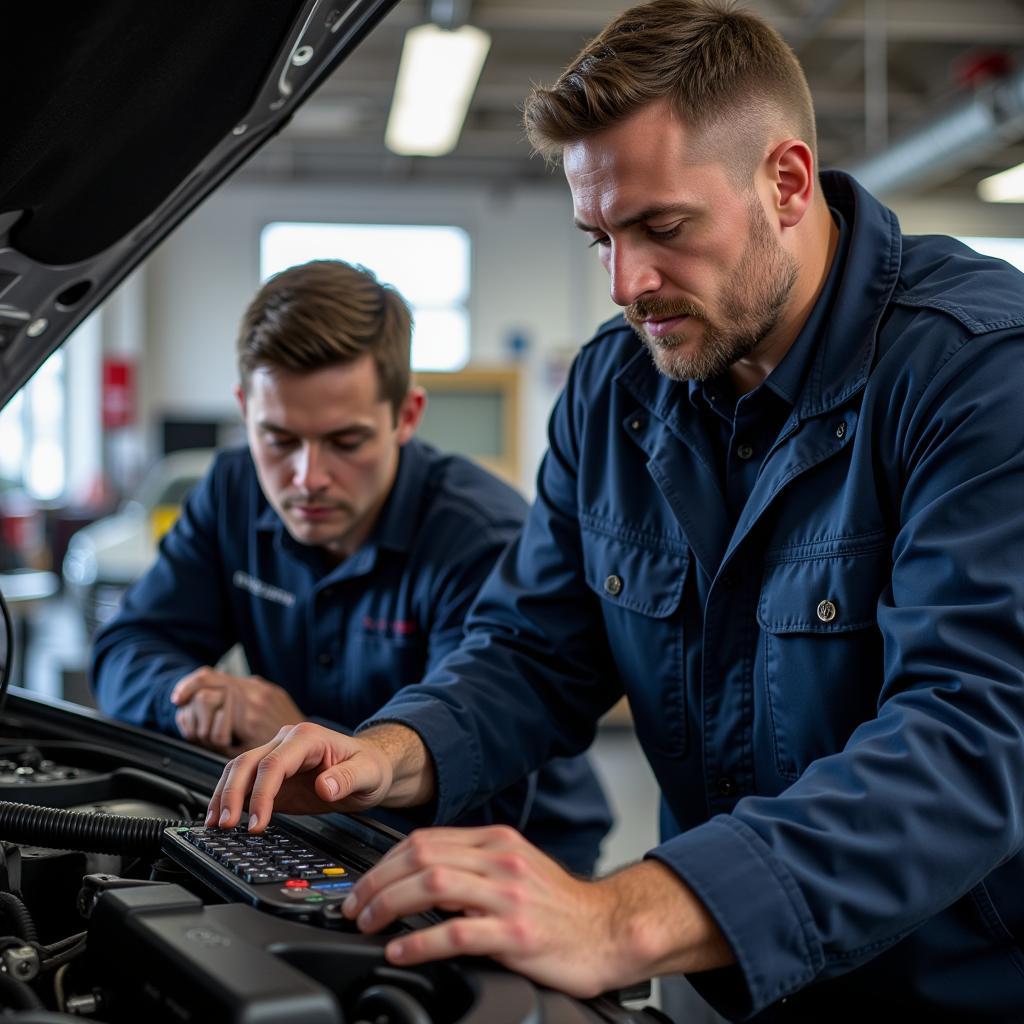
(725, 786)
(730, 580)
(841, 430)
(636, 424)
(744, 451)
(323, 658)
(613, 585)
(826, 611)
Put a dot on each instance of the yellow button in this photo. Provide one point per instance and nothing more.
(334, 871)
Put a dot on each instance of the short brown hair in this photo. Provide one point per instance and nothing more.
(714, 64)
(327, 313)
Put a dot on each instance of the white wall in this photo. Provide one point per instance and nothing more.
(532, 274)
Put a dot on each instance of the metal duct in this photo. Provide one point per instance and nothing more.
(992, 118)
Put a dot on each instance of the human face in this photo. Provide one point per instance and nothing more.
(691, 256)
(326, 449)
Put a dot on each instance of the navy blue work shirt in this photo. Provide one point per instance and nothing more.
(340, 639)
(829, 687)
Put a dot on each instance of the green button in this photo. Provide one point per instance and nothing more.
(313, 898)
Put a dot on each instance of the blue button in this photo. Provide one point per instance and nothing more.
(332, 886)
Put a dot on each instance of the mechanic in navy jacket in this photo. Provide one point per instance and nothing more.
(338, 550)
(783, 510)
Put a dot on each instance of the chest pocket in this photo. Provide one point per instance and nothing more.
(820, 660)
(640, 584)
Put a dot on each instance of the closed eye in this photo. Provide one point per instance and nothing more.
(348, 445)
(279, 441)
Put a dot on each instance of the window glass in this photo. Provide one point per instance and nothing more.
(429, 265)
(32, 433)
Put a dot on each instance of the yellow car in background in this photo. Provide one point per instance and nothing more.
(106, 557)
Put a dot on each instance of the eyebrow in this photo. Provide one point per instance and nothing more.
(649, 213)
(357, 429)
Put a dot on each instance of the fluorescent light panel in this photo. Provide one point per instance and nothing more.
(1005, 187)
(436, 79)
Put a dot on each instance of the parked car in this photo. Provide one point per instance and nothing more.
(106, 557)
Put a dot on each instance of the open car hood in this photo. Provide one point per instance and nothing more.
(119, 119)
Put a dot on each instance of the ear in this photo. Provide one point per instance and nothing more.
(790, 170)
(410, 412)
(240, 398)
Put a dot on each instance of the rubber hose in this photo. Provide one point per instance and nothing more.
(76, 830)
(18, 914)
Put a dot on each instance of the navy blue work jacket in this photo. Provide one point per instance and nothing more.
(844, 762)
(340, 639)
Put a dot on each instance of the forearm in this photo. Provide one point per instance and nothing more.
(414, 780)
(659, 925)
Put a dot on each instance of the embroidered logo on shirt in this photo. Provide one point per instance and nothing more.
(260, 589)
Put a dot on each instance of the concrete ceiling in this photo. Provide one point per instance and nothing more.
(878, 69)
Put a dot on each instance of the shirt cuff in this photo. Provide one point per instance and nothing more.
(164, 711)
(758, 907)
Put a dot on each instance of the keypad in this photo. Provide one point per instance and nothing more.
(272, 858)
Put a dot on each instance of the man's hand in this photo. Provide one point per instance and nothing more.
(230, 713)
(307, 769)
(530, 915)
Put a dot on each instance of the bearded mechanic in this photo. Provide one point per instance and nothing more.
(781, 512)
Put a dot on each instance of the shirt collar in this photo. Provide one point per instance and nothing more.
(786, 380)
(397, 524)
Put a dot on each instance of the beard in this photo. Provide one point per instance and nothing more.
(754, 298)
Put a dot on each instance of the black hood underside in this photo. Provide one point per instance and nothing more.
(119, 117)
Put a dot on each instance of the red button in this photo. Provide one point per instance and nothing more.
(296, 883)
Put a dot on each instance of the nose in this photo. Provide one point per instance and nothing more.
(310, 472)
(632, 274)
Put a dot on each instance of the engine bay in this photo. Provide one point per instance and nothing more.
(119, 906)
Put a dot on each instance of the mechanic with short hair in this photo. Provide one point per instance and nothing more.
(337, 549)
(782, 510)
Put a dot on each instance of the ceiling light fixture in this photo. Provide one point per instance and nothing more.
(436, 80)
(1004, 187)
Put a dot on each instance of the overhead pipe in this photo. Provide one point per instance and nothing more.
(876, 76)
(990, 119)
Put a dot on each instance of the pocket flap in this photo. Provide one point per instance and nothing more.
(827, 594)
(640, 578)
